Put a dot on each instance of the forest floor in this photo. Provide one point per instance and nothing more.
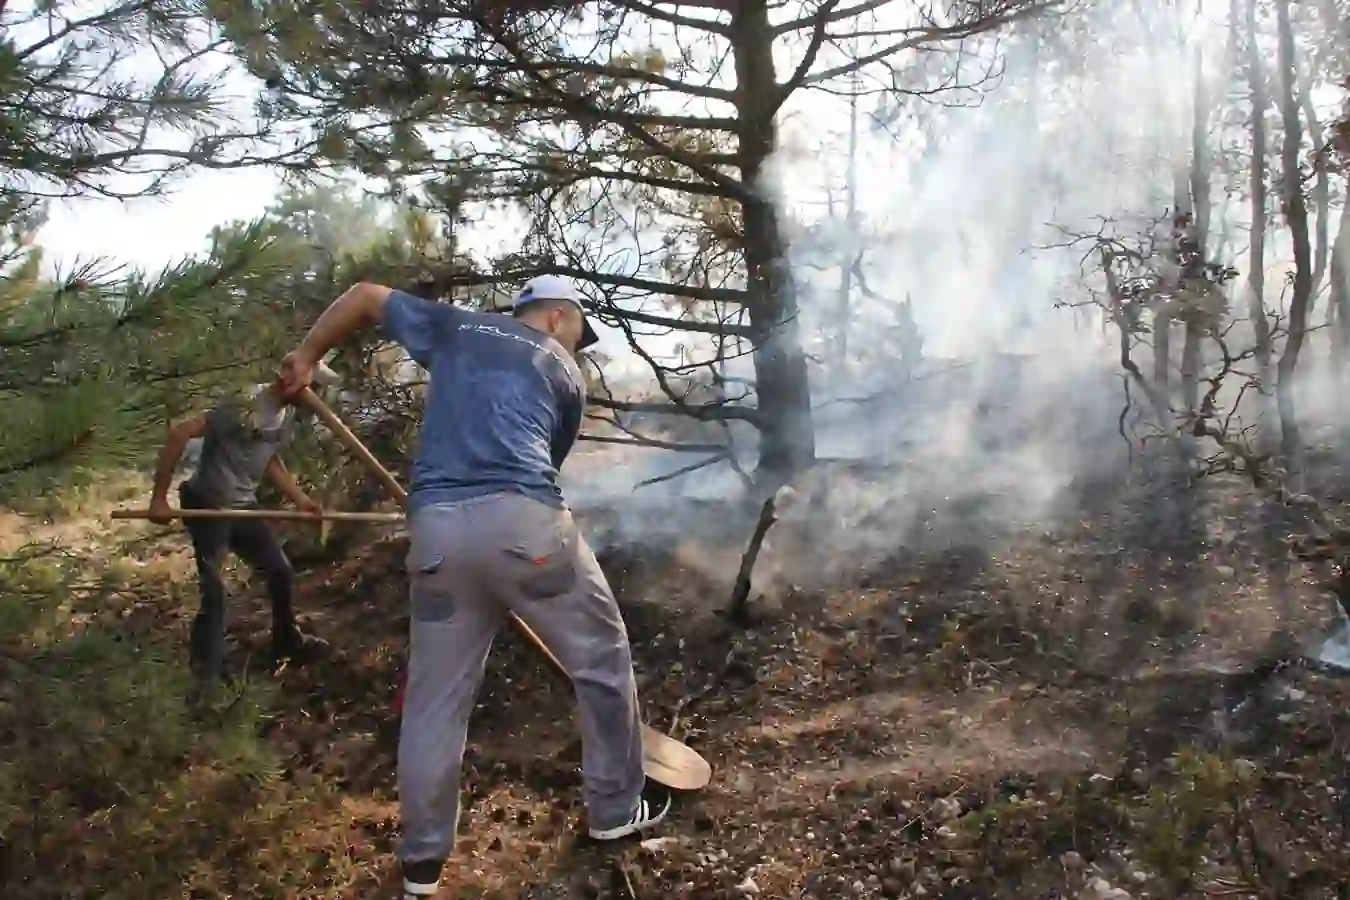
(1046, 712)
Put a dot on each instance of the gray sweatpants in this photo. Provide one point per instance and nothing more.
(468, 563)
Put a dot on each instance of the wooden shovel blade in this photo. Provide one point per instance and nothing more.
(673, 764)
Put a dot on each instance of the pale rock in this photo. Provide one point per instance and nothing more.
(1101, 889)
(656, 845)
(1071, 860)
(903, 869)
(748, 887)
(946, 808)
(1096, 889)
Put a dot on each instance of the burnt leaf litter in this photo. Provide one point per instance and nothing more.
(1067, 712)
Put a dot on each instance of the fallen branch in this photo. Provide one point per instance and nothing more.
(624, 880)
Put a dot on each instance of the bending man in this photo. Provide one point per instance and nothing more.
(240, 444)
(490, 532)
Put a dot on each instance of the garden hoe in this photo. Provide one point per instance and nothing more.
(665, 760)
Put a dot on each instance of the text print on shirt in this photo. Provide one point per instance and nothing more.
(497, 332)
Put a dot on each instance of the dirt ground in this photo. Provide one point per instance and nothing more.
(1072, 710)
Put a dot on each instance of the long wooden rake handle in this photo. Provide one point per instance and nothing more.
(280, 515)
(344, 434)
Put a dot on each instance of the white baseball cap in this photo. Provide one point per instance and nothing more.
(324, 375)
(553, 287)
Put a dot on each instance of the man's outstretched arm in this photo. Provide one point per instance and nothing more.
(359, 307)
(175, 441)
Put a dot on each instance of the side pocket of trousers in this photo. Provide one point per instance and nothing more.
(428, 587)
(544, 555)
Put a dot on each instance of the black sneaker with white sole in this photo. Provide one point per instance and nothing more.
(421, 879)
(651, 810)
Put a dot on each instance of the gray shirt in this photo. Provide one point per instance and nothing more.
(241, 438)
(503, 407)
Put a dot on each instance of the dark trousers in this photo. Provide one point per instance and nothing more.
(255, 543)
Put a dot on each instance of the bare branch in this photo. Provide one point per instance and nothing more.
(587, 111)
(710, 26)
(809, 58)
(918, 37)
(654, 444)
(711, 412)
(824, 17)
(682, 471)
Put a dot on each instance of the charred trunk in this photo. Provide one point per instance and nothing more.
(1321, 196)
(1338, 311)
(1192, 256)
(1340, 289)
(787, 437)
(1256, 274)
(1296, 215)
(850, 255)
(1162, 350)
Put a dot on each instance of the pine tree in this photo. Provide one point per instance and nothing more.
(92, 355)
(637, 136)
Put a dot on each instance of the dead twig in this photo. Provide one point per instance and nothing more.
(625, 881)
(739, 610)
(683, 470)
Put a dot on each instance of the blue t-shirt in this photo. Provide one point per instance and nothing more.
(503, 406)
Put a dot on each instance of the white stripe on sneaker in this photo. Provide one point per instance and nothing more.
(643, 817)
(418, 889)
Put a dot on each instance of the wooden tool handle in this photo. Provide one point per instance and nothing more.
(329, 418)
(281, 515)
(311, 399)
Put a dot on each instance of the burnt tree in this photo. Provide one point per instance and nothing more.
(637, 137)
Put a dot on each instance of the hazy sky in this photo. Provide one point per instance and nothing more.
(947, 219)
(152, 232)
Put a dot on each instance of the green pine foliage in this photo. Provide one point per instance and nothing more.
(101, 359)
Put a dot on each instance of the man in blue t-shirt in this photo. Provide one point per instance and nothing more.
(490, 532)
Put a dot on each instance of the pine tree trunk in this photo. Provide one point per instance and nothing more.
(850, 254)
(1340, 290)
(1296, 215)
(1321, 194)
(1338, 312)
(1198, 227)
(787, 436)
(1256, 263)
(1162, 352)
